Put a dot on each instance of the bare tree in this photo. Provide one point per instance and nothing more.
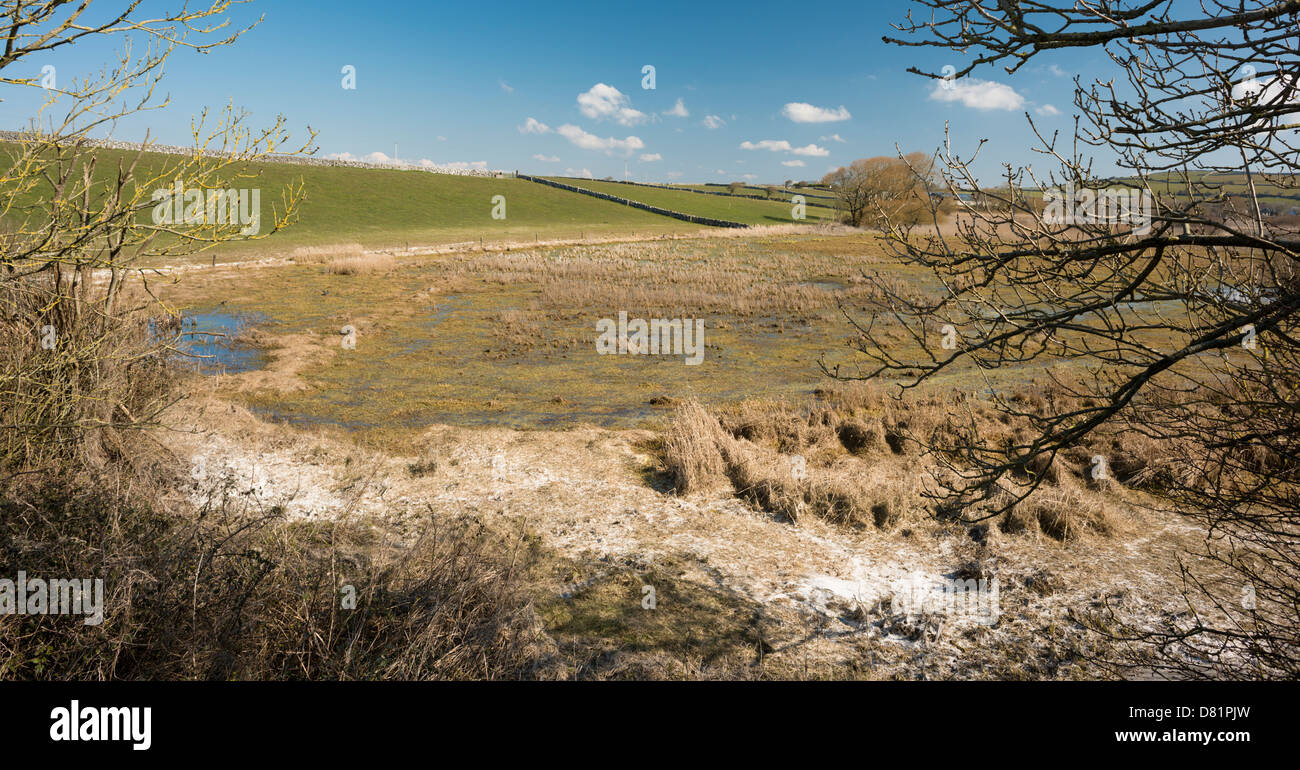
(75, 233)
(1161, 306)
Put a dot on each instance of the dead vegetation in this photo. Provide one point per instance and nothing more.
(237, 592)
(317, 255)
(76, 373)
(860, 458)
(344, 259)
(721, 278)
(363, 264)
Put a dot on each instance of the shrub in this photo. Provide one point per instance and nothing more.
(237, 594)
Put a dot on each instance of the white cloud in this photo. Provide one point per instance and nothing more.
(781, 145)
(792, 163)
(831, 138)
(674, 175)
(506, 87)
(750, 176)
(650, 157)
(801, 112)
(546, 158)
(442, 138)
(713, 121)
(1048, 110)
(1057, 71)
(608, 145)
(977, 94)
(380, 158)
(603, 102)
(534, 126)
(582, 172)
(1276, 89)
(371, 157)
(679, 110)
(775, 145)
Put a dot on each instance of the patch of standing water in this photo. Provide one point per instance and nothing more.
(211, 341)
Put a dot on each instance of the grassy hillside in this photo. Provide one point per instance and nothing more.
(760, 190)
(736, 209)
(1280, 197)
(381, 208)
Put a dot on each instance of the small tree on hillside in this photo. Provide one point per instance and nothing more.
(873, 191)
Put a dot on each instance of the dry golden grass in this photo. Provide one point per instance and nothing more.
(344, 259)
(360, 265)
(691, 450)
(76, 377)
(782, 464)
(322, 254)
(859, 458)
(664, 278)
(1060, 512)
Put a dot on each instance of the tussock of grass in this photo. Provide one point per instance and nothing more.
(703, 453)
(1062, 513)
(360, 265)
(857, 458)
(692, 450)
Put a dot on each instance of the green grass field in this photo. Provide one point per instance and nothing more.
(1280, 197)
(380, 208)
(732, 208)
(814, 197)
(750, 190)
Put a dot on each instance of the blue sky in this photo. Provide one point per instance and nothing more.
(454, 83)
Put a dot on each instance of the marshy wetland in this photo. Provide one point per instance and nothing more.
(509, 338)
(472, 385)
